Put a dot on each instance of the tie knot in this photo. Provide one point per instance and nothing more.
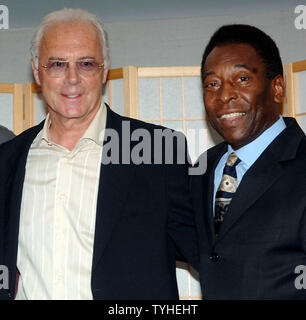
(232, 160)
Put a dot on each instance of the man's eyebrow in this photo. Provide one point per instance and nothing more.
(86, 58)
(57, 59)
(206, 74)
(244, 66)
(63, 59)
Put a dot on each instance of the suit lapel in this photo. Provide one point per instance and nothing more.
(22, 146)
(199, 186)
(114, 186)
(211, 166)
(257, 180)
(264, 173)
(14, 185)
(208, 209)
(203, 193)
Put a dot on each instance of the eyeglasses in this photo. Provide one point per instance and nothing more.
(57, 68)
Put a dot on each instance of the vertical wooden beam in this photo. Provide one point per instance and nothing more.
(29, 105)
(160, 101)
(295, 93)
(291, 90)
(183, 104)
(130, 80)
(110, 93)
(18, 108)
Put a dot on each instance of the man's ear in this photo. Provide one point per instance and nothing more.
(35, 73)
(104, 76)
(278, 89)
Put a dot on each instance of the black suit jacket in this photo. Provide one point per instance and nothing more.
(263, 236)
(143, 218)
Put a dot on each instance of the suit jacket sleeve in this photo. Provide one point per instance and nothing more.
(181, 226)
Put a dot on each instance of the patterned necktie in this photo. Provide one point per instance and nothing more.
(226, 190)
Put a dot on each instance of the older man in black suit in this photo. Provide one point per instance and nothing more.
(81, 215)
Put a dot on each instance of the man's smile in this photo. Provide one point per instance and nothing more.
(232, 115)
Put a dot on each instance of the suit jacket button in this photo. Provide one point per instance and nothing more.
(214, 257)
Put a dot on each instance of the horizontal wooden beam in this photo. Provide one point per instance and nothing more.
(115, 74)
(159, 72)
(7, 87)
(299, 66)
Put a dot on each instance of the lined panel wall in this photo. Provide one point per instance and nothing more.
(172, 97)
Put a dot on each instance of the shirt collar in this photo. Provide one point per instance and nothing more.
(252, 151)
(94, 131)
(97, 126)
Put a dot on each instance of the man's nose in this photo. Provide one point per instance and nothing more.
(72, 73)
(227, 92)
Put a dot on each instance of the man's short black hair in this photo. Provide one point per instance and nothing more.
(242, 33)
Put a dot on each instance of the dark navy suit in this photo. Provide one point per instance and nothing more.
(263, 237)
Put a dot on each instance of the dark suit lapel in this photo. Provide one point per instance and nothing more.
(208, 208)
(114, 186)
(22, 146)
(200, 190)
(211, 166)
(257, 180)
(263, 173)
(14, 185)
(203, 193)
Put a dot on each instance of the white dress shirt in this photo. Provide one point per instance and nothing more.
(58, 213)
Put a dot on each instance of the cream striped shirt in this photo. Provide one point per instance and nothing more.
(58, 213)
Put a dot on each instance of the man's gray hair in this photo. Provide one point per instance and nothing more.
(65, 15)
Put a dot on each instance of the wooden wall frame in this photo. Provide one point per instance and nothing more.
(17, 91)
(291, 87)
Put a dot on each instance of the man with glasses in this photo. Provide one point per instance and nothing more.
(71, 225)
